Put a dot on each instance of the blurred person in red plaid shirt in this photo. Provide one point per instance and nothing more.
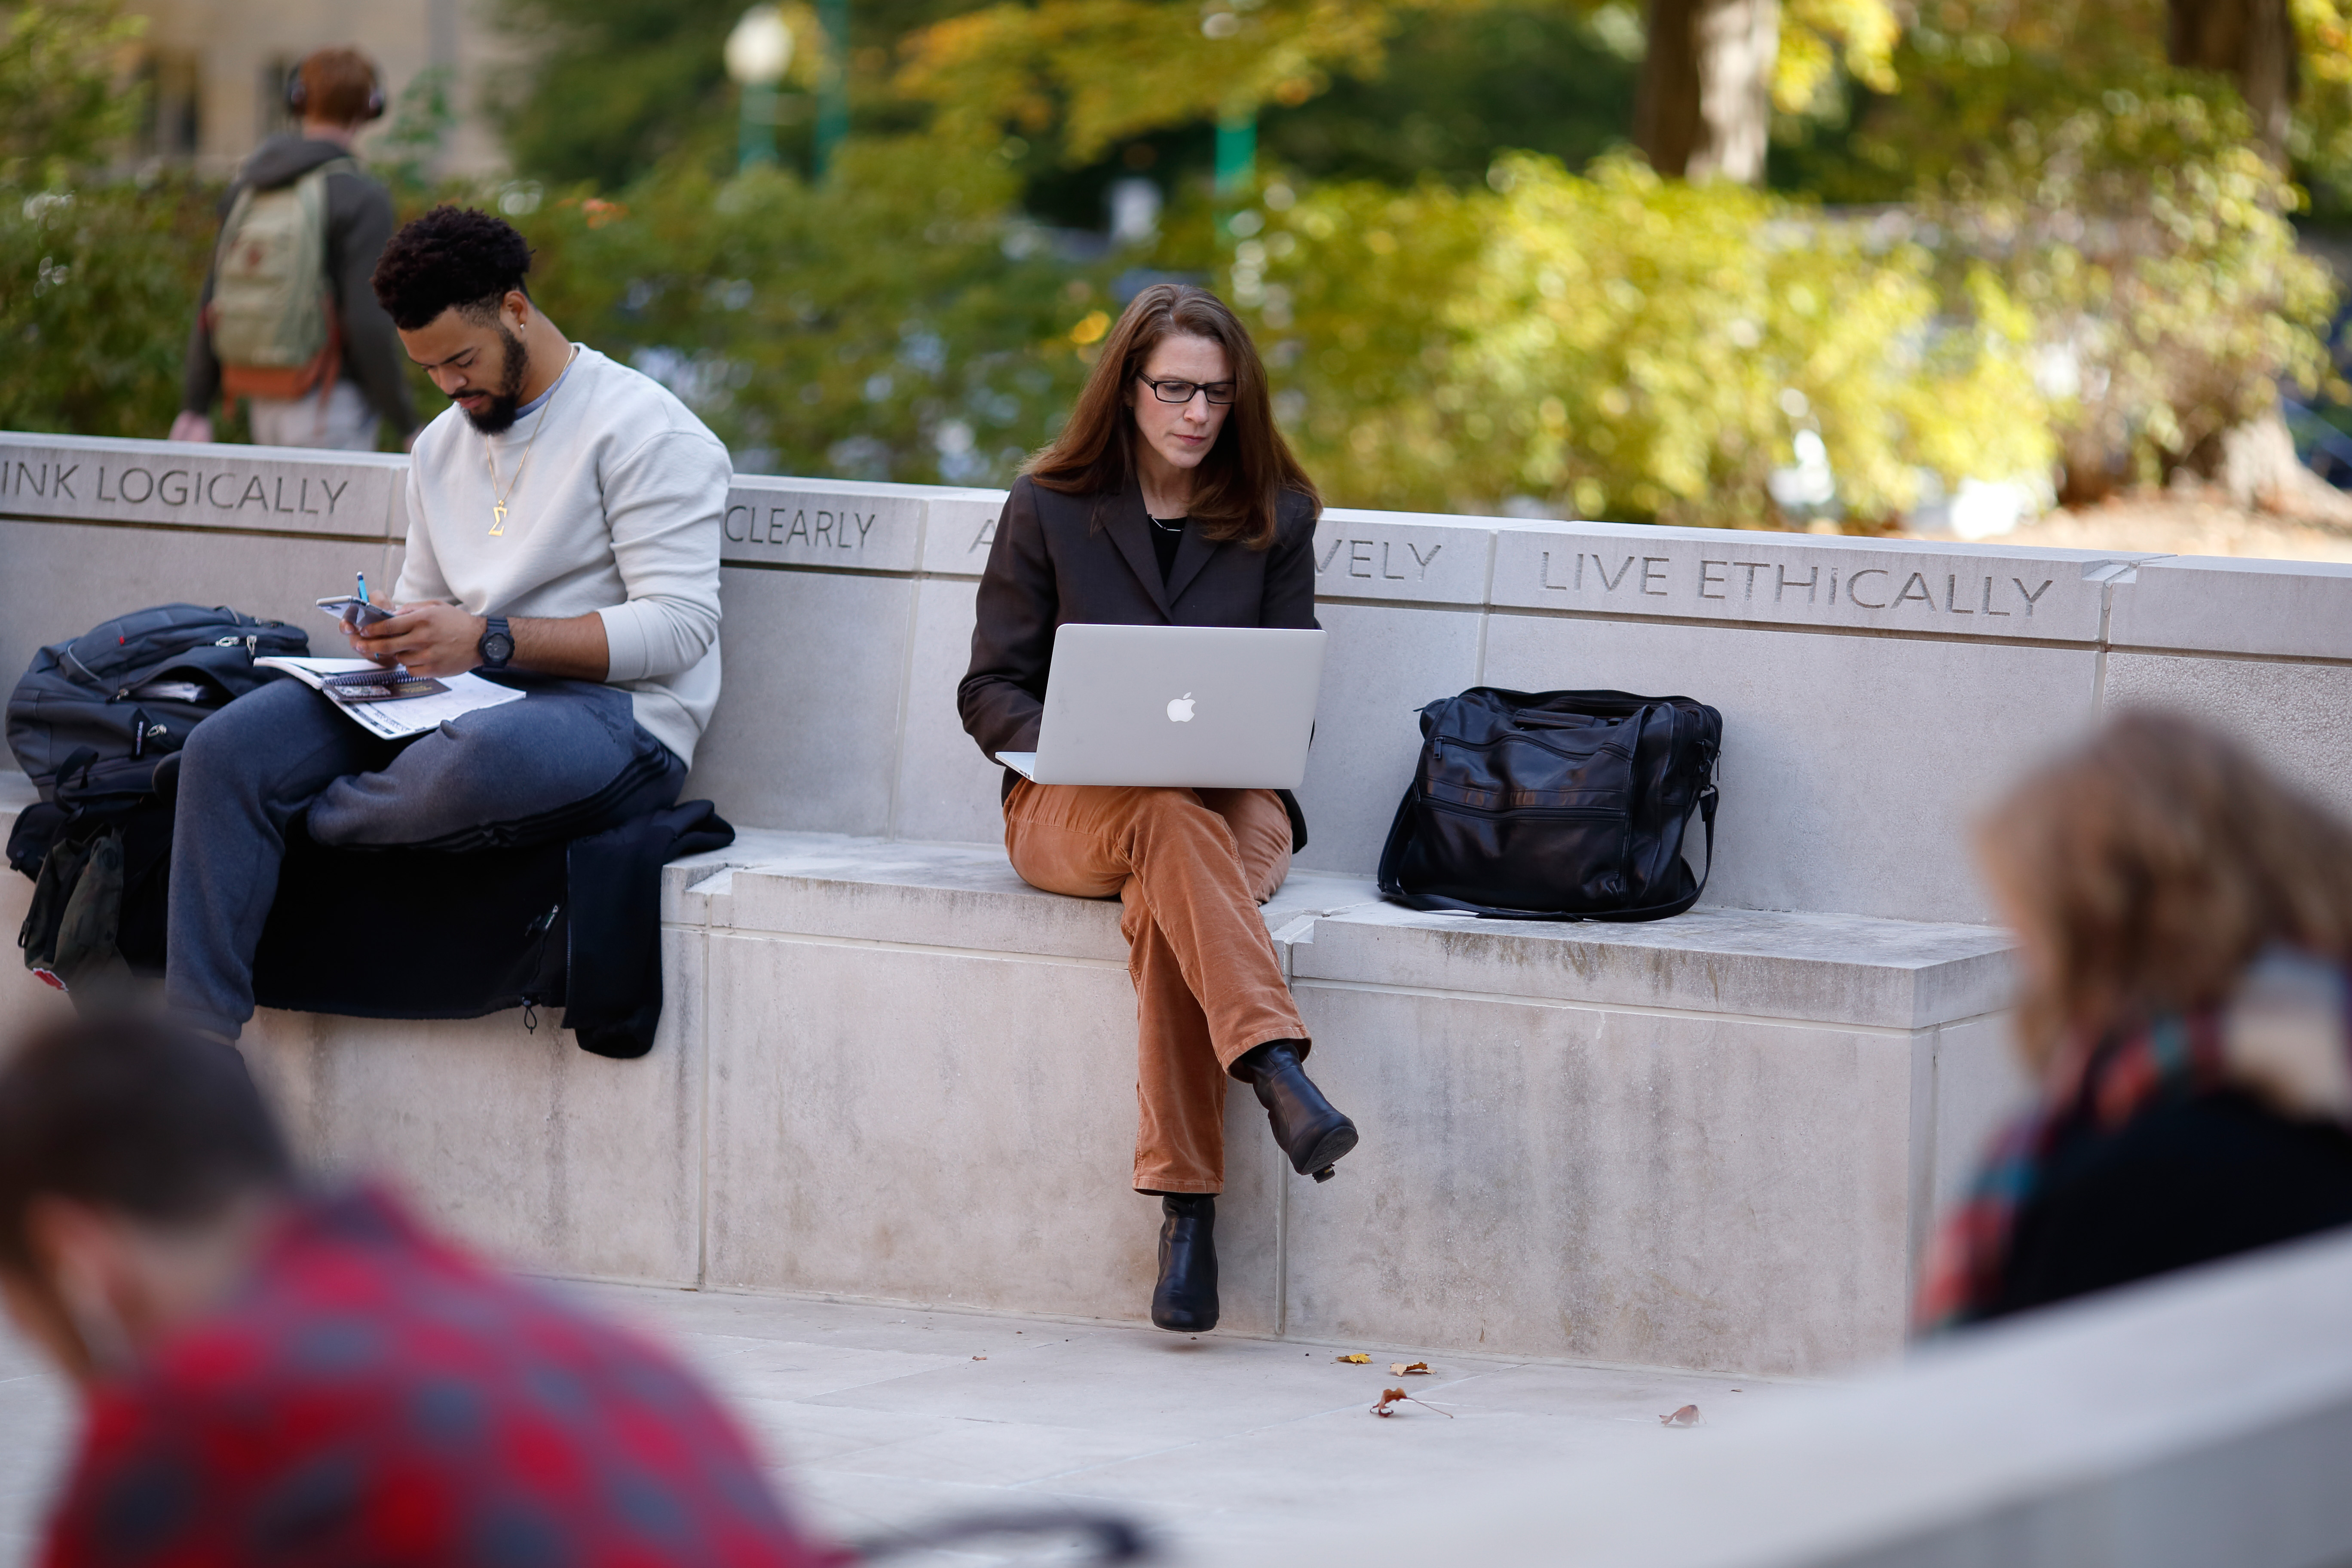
(276, 1376)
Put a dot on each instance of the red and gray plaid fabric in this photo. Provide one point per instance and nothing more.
(377, 1397)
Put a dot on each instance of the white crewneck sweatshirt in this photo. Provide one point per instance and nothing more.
(617, 512)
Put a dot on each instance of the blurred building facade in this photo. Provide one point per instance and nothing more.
(217, 71)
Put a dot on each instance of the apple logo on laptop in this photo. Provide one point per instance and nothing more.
(1180, 710)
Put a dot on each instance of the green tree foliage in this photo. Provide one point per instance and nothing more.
(421, 121)
(2122, 201)
(1097, 73)
(96, 289)
(896, 322)
(1481, 81)
(1967, 71)
(96, 282)
(2319, 139)
(1101, 71)
(2148, 236)
(615, 85)
(61, 99)
(2084, 248)
(613, 88)
(1616, 345)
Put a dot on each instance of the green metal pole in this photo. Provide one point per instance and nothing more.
(755, 139)
(1236, 162)
(833, 83)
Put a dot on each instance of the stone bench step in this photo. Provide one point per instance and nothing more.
(893, 1071)
(1847, 969)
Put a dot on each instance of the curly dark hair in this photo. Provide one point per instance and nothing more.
(451, 257)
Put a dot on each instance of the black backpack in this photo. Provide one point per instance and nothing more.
(102, 710)
(1555, 806)
(89, 723)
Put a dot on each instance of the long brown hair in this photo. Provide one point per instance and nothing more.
(1240, 483)
(2149, 867)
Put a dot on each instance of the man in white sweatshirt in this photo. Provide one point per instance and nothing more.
(563, 538)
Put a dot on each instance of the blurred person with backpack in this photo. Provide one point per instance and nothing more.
(286, 320)
(273, 1374)
(2184, 926)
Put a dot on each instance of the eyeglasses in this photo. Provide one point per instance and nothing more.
(1219, 393)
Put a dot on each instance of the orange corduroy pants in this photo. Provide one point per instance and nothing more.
(1190, 868)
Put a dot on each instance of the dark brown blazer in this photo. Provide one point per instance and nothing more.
(1058, 559)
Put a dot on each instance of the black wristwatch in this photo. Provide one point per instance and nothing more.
(497, 645)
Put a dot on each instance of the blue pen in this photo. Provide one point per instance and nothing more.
(362, 577)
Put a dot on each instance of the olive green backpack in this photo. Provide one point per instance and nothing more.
(272, 316)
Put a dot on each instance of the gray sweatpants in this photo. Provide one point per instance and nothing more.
(570, 759)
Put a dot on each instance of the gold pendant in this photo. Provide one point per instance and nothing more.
(498, 519)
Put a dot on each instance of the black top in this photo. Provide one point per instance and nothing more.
(1058, 559)
(1167, 533)
(359, 222)
(2178, 1185)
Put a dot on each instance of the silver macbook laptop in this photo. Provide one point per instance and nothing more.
(1209, 706)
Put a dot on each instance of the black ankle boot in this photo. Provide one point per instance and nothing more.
(1310, 1130)
(1185, 1300)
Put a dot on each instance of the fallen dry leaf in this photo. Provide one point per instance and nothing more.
(1397, 1395)
(1358, 1359)
(1687, 1416)
(1401, 1370)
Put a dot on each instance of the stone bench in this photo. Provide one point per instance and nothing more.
(2191, 1421)
(895, 1071)
(888, 1069)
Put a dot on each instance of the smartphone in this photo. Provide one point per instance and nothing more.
(357, 611)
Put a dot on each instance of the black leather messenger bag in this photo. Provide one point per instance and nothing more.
(1555, 806)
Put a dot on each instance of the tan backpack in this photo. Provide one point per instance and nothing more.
(272, 317)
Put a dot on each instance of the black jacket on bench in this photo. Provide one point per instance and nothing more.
(1059, 559)
(575, 925)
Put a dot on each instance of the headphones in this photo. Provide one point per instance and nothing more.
(298, 97)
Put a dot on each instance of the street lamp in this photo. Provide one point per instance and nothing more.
(758, 50)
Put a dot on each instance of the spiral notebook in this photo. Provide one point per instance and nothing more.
(394, 716)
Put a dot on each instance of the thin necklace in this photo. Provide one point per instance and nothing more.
(1175, 527)
(498, 495)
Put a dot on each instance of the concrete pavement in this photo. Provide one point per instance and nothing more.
(880, 1417)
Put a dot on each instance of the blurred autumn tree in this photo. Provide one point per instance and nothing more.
(1096, 72)
(1471, 291)
(1716, 70)
(2118, 163)
(1615, 344)
(96, 276)
(889, 324)
(61, 107)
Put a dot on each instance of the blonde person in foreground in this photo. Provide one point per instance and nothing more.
(562, 538)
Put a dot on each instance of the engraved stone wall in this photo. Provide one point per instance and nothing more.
(90, 479)
(1850, 764)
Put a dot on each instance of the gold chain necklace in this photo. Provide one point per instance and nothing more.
(498, 495)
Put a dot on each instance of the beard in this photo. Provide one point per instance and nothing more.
(513, 365)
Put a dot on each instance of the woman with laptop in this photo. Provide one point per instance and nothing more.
(1169, 499)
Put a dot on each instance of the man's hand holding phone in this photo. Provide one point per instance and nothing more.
(431, 639)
